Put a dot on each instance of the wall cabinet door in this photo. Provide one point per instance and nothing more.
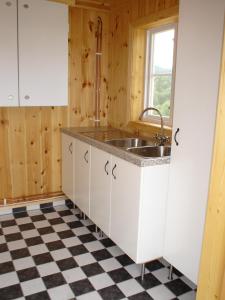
(43, 52)
(197, 82)
(100, 189)
(82, 169)
(8, 54)
(125, 205)
(67, 166)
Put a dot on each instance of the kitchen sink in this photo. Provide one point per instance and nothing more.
(129, 143)
(151, 151)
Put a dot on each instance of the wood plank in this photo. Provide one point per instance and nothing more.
(213, 254)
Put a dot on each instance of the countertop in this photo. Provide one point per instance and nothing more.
(97, 136)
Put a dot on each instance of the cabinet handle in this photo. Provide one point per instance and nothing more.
(114, 176)
(27, 97)
(175, 136)
(85, 156)
(26, 6)
(70, 148)
(106, 166)
(10, 97)
(8, 3)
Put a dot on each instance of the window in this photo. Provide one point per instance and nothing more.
(160, 69)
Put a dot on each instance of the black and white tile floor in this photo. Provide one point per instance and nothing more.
(51, 254)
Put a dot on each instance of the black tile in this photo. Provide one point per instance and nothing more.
(28, 274)
(3, 248)
(19, 210)
(111, 293)
(107, 243)
(48, 210)
(38, 296)
(20, 253)
(65, 234)
(13, 237)
(1, 232)
(37, 240)
(69, 203)
(53, 280)
(75, 224)
(141, 296)
(55, 245)
(77, 250)
(154, 265)
(11, 292)
(21, 215)
(149, 281)
(6, 267)
(92, 269)
(176, 272)
(81, 287)
(178, 287)
(64, 213)
(56, 221)
(101, 254)
(42, 258)
(66, 264)
(91, 228)
(38, 218)
(125, 260)
(8, 223)
(45, 230)
(46, 205)
(119, 275)
(86, 238)
(25, 227)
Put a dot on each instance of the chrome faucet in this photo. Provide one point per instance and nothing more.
(161, 138)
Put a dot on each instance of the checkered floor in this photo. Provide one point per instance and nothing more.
(52, 254)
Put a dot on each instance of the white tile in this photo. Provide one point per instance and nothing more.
(70, 218)
(164, 262)
(51, 215)
(60, 227)
(23, 263)
(94, 246)
(80, 231)
(11, 229)
(86, 222)
(130, 287)
(30, 233)
(59, 203)
(35, 212)
(32, 286)
(5, 256)
(33, 207)
(110, 264)
(73, 275)
(115, 251)
(161, 293)
(188, 282)
(62, 292)
(41, 224)
(2, 239)
(51, 237)
(38, 249)
(5, 212)
(162, 275)
(19, 244)
(60, 254)
(48, 269)
(90, 296)
(24, 220)
(101, 281)
(188, 296)
(85, 259)
(8, 279)
(134, 270)
(61, 207)
(72, 241)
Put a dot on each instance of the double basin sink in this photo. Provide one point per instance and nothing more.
(140, 147)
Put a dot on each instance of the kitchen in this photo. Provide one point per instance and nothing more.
(31, 161)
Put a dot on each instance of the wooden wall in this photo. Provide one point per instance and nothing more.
(30, 142)
(124, 13)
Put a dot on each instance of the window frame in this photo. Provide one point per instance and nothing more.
(149, 73)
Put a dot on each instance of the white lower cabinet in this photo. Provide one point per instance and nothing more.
(100, 189)
(67, 166)
(82, 164)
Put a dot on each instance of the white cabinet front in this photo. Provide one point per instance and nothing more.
(67, 166)
(8, 53)
(100, 189)
(82, 169)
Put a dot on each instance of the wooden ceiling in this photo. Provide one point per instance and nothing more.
(88, 4)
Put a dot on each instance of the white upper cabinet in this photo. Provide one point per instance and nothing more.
(33, 53)
(197, 81)
(8, 53)
(43, 53)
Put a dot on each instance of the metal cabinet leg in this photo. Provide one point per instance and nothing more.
(170, 277)
(96, 229)
(101, 234)
(142, 272)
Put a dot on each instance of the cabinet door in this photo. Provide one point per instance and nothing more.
(67, 166)
(82, 165)
(8, 54)
(194, 113)
(43, 53)
(100, 189)
(125, 205)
